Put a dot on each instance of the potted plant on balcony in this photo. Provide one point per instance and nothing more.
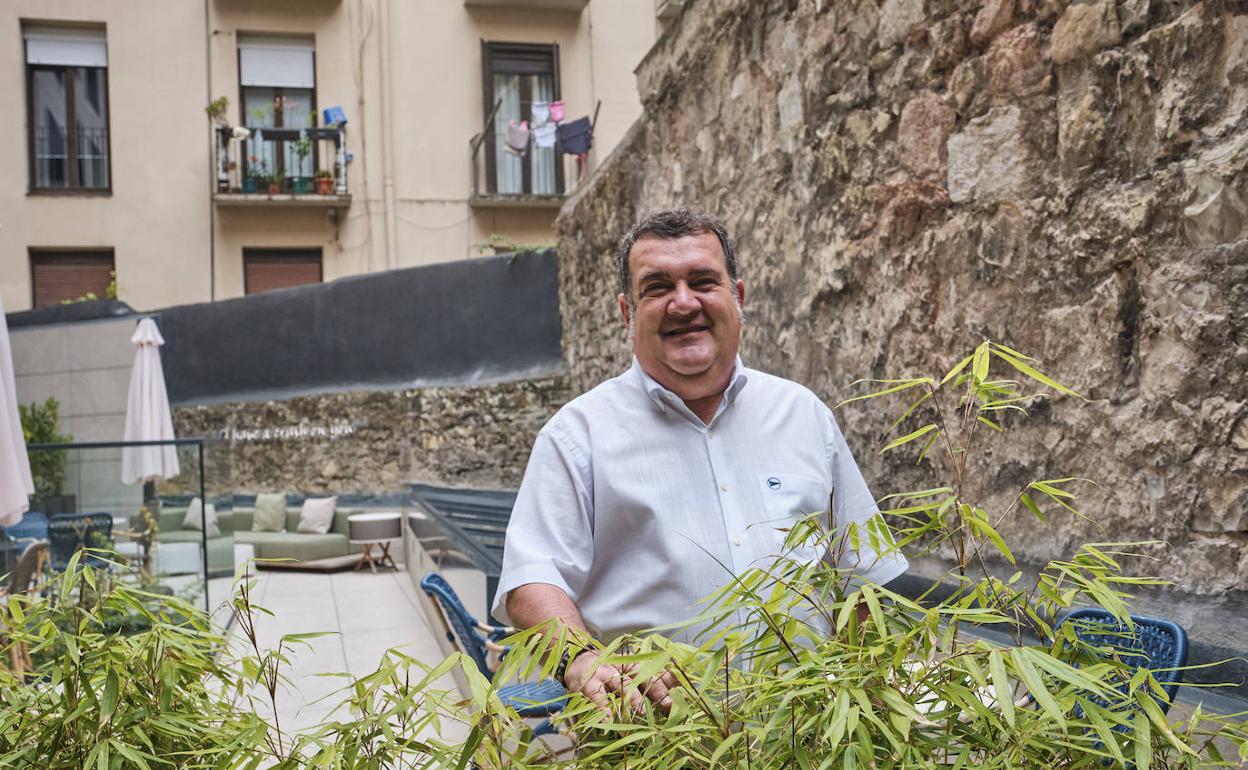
(257, 170)
(324, 182)
(276, 182)
(300, 183)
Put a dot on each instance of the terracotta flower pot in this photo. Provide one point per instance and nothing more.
(274, 188)
(324, 185)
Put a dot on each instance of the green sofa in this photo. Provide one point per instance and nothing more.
(236, 528)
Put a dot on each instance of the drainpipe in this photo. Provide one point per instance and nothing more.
(387, 141)
(212, 208)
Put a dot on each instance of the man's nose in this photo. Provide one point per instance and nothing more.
(684, 301)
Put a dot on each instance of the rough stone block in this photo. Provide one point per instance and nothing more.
(987, 158)
(898, 18)
(1016, 63)
(1085, 29)
(1080, 133)
(925, 126)
(1215, 213)
(994, 17)
(789, 103)
(1223, 506)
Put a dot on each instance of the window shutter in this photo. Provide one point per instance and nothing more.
(268, 269)
(58, 276)
(276, 63)
(67, 47)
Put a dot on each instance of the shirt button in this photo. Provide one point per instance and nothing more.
(723, 487)
(736, 541)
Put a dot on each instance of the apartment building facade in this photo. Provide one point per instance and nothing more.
(192, 150)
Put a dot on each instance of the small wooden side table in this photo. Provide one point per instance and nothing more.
(374, 529)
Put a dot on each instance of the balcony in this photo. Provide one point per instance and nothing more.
(282, 167)
(537, 178)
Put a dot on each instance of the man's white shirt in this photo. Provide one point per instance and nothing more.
(638, 510)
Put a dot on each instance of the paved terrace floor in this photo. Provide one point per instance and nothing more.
(366, 614)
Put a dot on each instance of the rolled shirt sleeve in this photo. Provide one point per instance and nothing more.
(876, 559)
(550, 534)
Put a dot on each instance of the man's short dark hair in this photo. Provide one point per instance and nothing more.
(676, 223)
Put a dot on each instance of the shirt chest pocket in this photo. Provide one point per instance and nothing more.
(788, 500)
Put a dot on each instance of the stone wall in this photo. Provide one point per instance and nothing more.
(907, 177)
(368, 442)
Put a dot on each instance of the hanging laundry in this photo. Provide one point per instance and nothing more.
(541, 113)
(517, 138)
(556, 111)
(544, 135)
(575, 137)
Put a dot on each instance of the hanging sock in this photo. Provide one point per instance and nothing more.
(556, 111)
(541, 113)
(517, 139)
(575, 137)
(544, 135)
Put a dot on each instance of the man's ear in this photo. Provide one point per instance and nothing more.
(624, 309)
(741, 292)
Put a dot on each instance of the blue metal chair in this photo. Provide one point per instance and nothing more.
(32, 528)
(1158, 645)
(478, 640)
(70, 532)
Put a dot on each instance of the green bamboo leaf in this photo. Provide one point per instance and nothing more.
(1143, 741)
(1035, 684)
(909, 411)
(1012, 352)
(987, 531)
(926, 446)
(1002, 686)
(980, 367)
(909, 437)
(896, 386)
(989, 423)
(1103, 730)
(1035, 374)
(1030, 505)
(1159, 720)
(957, 368)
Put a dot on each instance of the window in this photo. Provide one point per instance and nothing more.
(267, 269)
(516, 75)
(60, 275)
(277, 83)
(67, 103)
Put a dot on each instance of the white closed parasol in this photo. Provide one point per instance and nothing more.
(147, 415)
(16, 485)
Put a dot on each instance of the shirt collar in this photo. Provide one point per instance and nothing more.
(666, 399)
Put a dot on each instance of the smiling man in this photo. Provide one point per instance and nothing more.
(639, 493)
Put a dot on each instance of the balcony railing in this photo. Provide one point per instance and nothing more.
(282, 165)
(538, 177)
(70, 159)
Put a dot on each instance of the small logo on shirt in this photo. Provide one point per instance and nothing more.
(773, 483)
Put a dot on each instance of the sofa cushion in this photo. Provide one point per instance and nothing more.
(270, 513)
(199, 516)
(299, 546)
(317, 515)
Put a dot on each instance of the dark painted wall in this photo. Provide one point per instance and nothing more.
(479, 320)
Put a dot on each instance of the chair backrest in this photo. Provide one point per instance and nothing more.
(461, 622)
(32, 527)
(70, 532)
(1159, 645)
(27, 569)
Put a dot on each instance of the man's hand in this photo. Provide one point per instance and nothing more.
(586, 676)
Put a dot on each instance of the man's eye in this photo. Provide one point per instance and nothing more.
(652, 290)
